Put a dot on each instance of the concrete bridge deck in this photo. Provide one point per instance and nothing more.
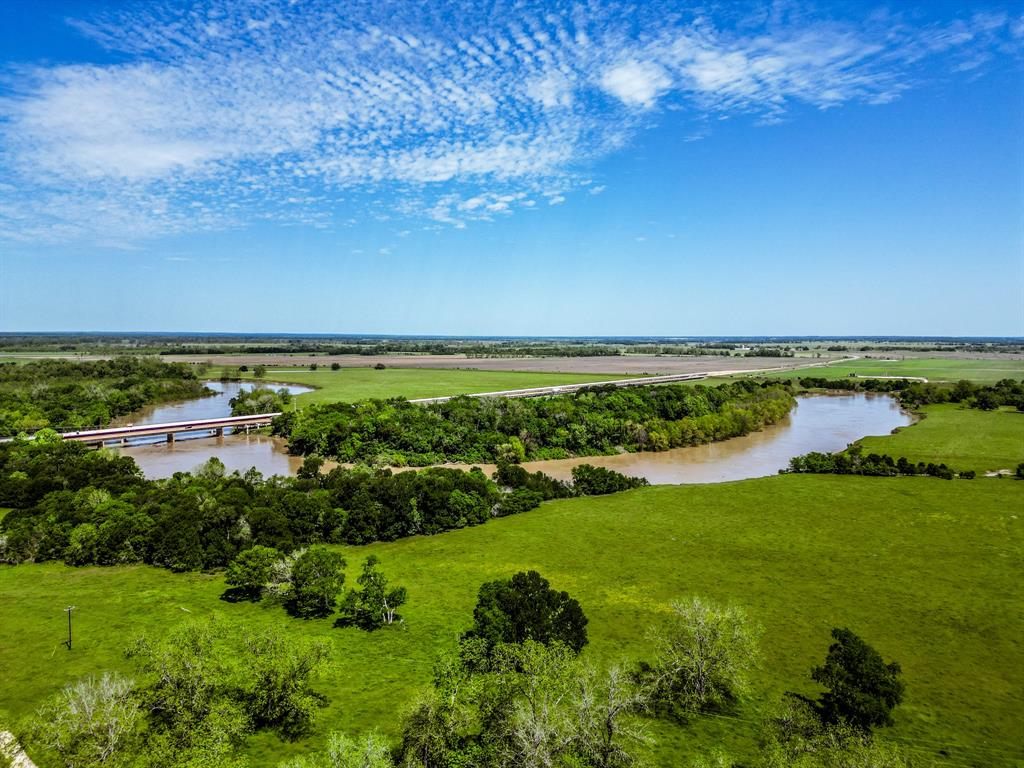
(170, 429)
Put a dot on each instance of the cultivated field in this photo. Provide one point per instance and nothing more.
(606, 364)
(351, 384)
(926, 570)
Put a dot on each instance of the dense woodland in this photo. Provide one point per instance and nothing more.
(67, 395)
(594, 421)
(84, 506)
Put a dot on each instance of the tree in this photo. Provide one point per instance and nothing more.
(191, 696)
(512, 452)
(374, 605)
(251, 570)
(862, 690)
(278, 694)
(259, 371)
(90, 723)
(335, 366)
(316, 581)
(345, 752)
(795, 737)
(526, 608)
(537, 721)
(205, 688)
(310, 469)
(588, 480)
(703, 657)
(608, 734)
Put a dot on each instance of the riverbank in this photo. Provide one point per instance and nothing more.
(818, 423)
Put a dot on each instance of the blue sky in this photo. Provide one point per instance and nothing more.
(526, 168)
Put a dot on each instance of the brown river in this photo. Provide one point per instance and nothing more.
(818, 423)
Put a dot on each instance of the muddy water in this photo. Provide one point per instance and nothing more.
(239, 451)
(820, 423)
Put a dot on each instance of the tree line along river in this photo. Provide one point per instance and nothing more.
(818, 423)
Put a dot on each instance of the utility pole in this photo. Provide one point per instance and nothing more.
(68, 610)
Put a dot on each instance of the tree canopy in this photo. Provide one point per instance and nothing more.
(525, 607)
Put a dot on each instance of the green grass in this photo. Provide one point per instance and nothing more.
(963, 438)
(926, 570)
(350, 384)
(933, 369)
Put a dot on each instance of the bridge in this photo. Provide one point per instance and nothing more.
(170, 429)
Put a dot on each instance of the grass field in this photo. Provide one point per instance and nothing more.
(963, 438)
(926, 570)
(350, 384)
(933, 369)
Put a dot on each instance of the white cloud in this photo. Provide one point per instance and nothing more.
(636, 83)
(552, 89)
(256, 110)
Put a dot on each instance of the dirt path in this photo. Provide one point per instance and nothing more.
(11, 749)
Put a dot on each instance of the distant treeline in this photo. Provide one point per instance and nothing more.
(770, 352)
(469, 349)
(84, 506)
(1006, 392)
(854, 462)
(593, 421)
(69, 395)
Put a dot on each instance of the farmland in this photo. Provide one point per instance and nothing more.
(985, 371)
(351, 384)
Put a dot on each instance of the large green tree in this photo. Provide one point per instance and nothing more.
(277, 691)
(251, 570)
(316, 581)
(525, 607)
(862, 690)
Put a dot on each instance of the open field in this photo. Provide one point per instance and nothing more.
(351, 384)
(927, 570)
(601, 364)
(987, 371)
(963, 438)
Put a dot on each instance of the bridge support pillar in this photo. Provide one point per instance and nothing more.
(219, 432)
(170, 437)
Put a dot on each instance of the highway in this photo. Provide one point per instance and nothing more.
(569, 388)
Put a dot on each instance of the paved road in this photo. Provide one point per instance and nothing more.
(636, 382)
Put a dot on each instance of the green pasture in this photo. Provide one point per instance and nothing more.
(926, 570)
(963, 438)
(350, 384)
(931, 368)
